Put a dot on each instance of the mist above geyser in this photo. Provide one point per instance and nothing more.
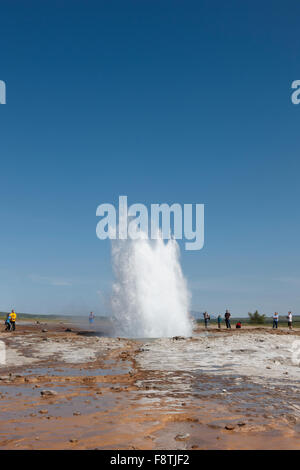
(150, 298)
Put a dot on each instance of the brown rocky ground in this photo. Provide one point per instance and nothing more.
(73, 390)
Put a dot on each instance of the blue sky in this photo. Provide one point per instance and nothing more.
(164, 101)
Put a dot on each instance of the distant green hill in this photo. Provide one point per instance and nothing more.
(43, 318)
(33, 316)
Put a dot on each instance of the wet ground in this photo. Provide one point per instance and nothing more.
(218, 390)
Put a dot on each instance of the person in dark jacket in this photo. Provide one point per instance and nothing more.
(227, 319)
(206, 319)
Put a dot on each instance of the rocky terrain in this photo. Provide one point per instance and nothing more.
(66, 388)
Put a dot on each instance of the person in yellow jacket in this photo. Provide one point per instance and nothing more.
(13, 317)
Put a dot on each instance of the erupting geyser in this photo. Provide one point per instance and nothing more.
(150, 296)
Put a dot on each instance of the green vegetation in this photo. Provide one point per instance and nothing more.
(50, 317)
(256, 318)
(35, 317)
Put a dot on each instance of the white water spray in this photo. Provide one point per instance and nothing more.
(150, 296)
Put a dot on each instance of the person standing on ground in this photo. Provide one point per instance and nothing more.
(13, 317)
(275, 320)
(219, 321)
(7, 322)
(227, 319)
(290, 319)
(206, 319)
(91, 317)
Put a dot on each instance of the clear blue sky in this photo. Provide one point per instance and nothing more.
(164, 101)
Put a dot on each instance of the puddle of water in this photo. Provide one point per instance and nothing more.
(75, 372)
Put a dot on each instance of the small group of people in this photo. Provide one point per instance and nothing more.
(276, 319)
(227, 320)
(227, 316)
(10, 321)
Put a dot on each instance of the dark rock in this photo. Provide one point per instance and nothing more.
(48, 393)
(182, 437)
(229, 427)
